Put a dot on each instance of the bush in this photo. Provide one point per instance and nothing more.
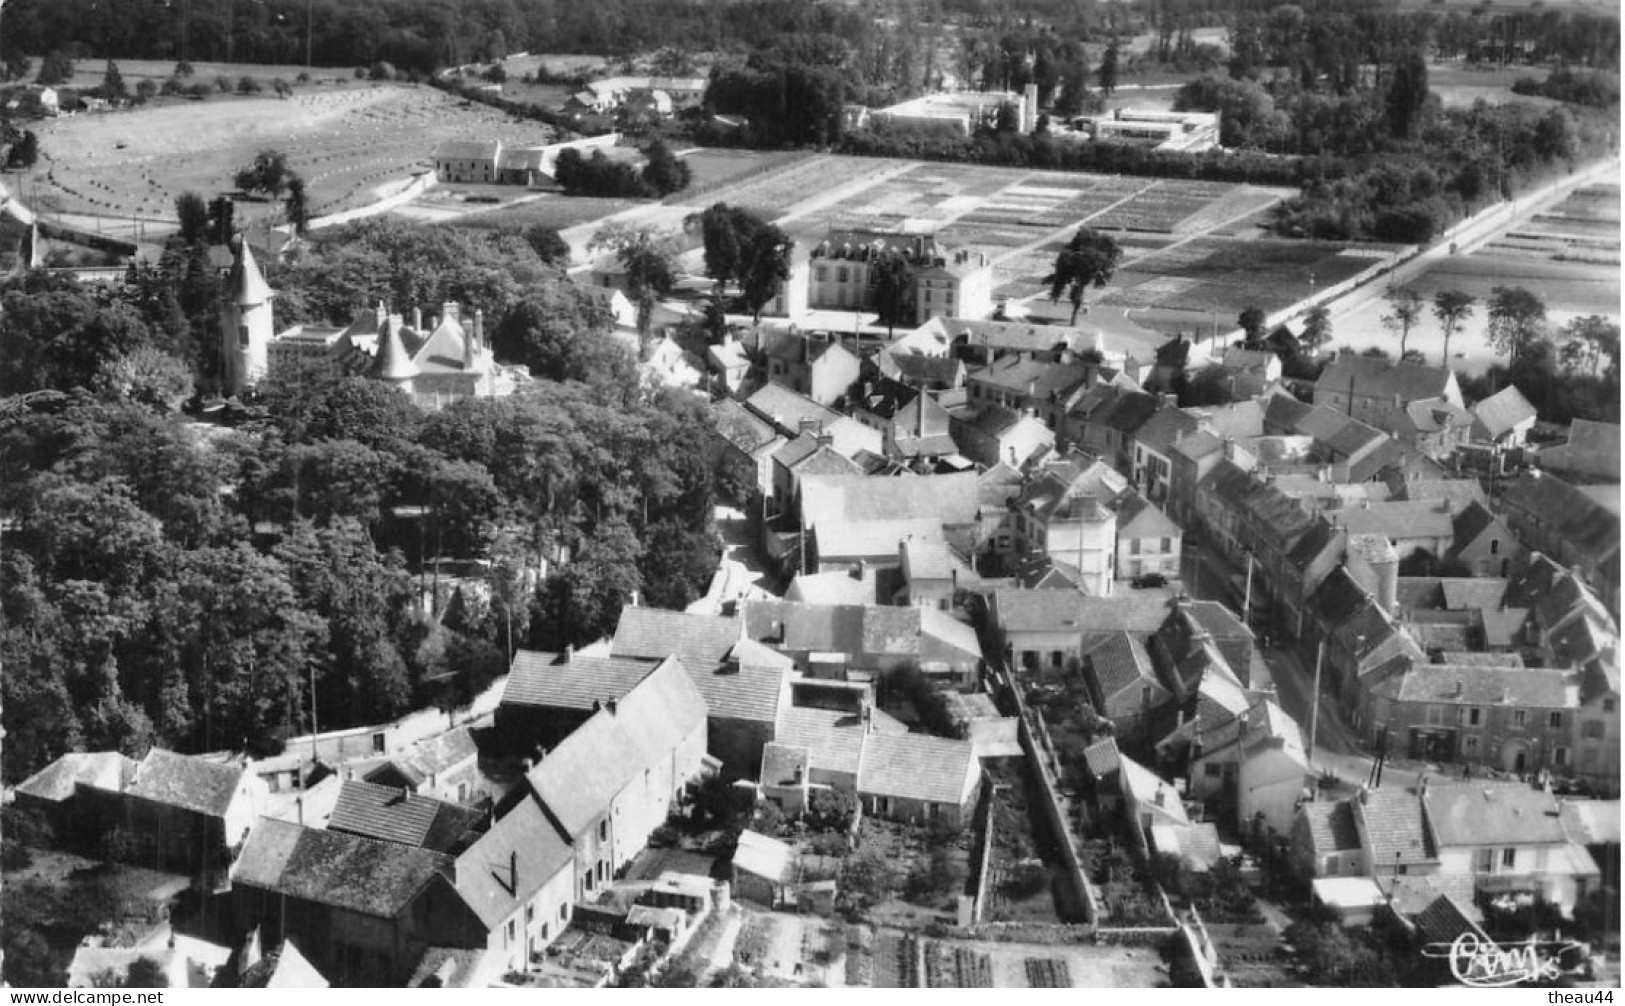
(222, 84)
(248, 85)
(183, 69)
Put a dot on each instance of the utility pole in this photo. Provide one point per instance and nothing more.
(1247, 600)
(1314, 701)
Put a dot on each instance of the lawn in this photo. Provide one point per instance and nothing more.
(715, 168)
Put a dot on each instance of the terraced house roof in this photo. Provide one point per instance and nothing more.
(916, 767)
(1395, 833)
(569, 681)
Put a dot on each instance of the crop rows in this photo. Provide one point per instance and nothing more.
(896, 964)
(956, 967)
(777, 192)
(1048, 973)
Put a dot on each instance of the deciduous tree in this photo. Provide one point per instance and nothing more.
(1089, 259)
(1451, 308)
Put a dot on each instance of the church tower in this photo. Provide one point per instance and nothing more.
(246, 328)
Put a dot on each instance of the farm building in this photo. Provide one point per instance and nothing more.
(462, 161)
(962, 111)
(1160, 130)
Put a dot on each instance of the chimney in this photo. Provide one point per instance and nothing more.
(825, 439)
(858, 569)
(632, 600)
(417, 319)
(513, 871)
(866, 713)
(450, 311)
(611, 705)
(809, 425)
(479, 327)
(569, 652)
(468, 350)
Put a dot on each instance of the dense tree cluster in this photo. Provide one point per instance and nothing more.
(743, 249)
(1580, 87)
(211, 587)
(662, 174)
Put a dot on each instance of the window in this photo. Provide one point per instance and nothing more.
(1592, 730)
(1519, 717)
(1056, 657)
(1484, 861)
(1495, 546)
(822, 273)
(1435, 716)
(603, 830)
(928, 295)
(1469, 744)
(1607, 705)
(1473, 716)
(1145, 695)
(949, 298)
(1212, 770)
(1554, 721)
(1134, 547)
(1509, 858)
(242, 335)
(841, 274)
(564, 911)
(377, 743)
(1167, 544)
(1560, 757)
(509, 938)
(530, 914)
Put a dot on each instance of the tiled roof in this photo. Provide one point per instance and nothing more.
(871, 629)
(1166, 426)
(361, 875)
(916, 767)
(1443, 920)
(1570, 514)
(740, 427)
(1385, 455)
(1057, 611)
(785, 409)
(1399, 519)
(784, 764)
(662, 710)
(1137, 518)
(1483, 812)
(1394, 830)
(577, 780)
(927, 369)
(1501, 412)
(1459, 492)
(1119, 662)
(857, 539)
(1013, 335)
(504, 869)
(954, 499)
(1473, 520)
(196, 784)
(1103, 758)
(1377, 377)
(1040, 379)
(57, 781)
(392, 815)
(432, 755)
(1130, 412)
(833, 737)
(1436, 414)
(927, 558)
(1592, 450)
(1529, 688)
(467, 150)
(939, 625)
(1331, 826)
(569, 681)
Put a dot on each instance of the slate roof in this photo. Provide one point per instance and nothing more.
(1103, 758)
(926, 558)
(1038, 379)
(1484, 812)
(467, 150)
(362, 875)
(196, 784)
(1527, 688)
(1331, 826)
(391, 815)
(1500, 413)
(1130, 412)
(574, 681)
(1436, 414)
(939, 625)
(504, 869)
(1164, 428)
(577, 780)
(1443, 920)
(58, 781)
(737, 678)
(1377, 377)
(1013, 335)
(1394, 830)
(1263, 504)
(871, 629)
(953, 499)
(916, 767)
(1119, 662)
(927, 369)
(1282, 413)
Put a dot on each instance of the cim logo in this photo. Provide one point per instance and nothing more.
(1482, 963)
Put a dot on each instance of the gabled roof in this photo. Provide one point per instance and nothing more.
(1464, 685)
(1130, 412)
(1019, 336)
(954, 499)
(927, 369)
(1331, 826)
(1473, 593)
(1151, 792)
(1039, 379)
(763, 856)
(1061, 611)
(852, 629)
(833, 737)
(737, 678)
(1568, 513)
(1459, 492)
(1592, 822)
(467, 150)
(1395, 833)
(1592, 450)
(196, 784)
(1118, 663)
(1399, 519)
(577, 780)
(429, 757)
(785, 409)
(1164, 428)
(392, 815)
(1138, 518)
(1484, 812)
(740, 427)
(1373, 376)
(1103, 758)
(1501, 413)
(1434, 415)
(857, 539)
(106, 770)
(1445, 919)
(362, 875)
(916, 767)
(503, 870)
(569, 681)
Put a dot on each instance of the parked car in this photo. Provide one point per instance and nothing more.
(1149, 580)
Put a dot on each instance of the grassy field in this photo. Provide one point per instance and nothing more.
(89, 72)
(350, 143)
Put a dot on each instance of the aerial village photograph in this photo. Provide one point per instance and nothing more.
(810, 493)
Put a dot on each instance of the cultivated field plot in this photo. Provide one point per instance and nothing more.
(716, 168)
(952, 966)
(347, 142)
(1228, 275)
(1583, 228)
(778, 192)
